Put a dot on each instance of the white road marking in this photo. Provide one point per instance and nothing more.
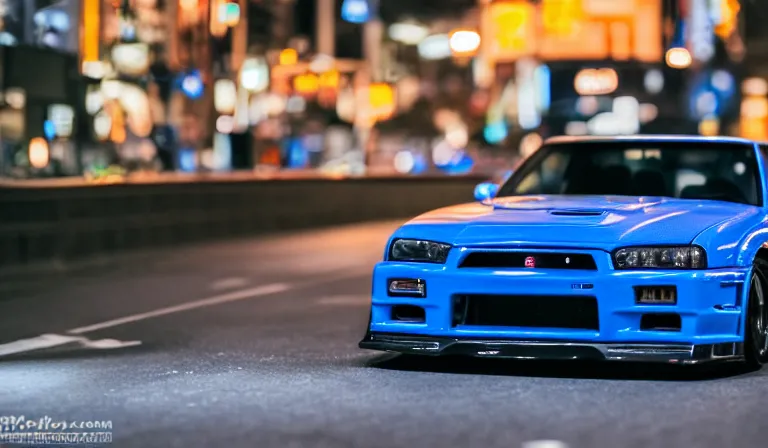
(229, 283)
(273, 288)
(55, 340)
(545, 444)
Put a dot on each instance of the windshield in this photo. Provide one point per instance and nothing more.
(689, 170)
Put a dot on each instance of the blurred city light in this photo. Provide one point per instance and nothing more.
(495, 132)
(576, 128)
(102, 125)
(530, 144)
(94, 99)
(229, 13)
(95, 69)
(224, 96)
(39, 155)
(306, 84)
(409, 33)
(596, 81)
(131, 59)
(482, 72)
(511, 28)
(648, 113)
(754, 107)
(754, 87)
(355, 11)
(321, 63)
(587, 105)
(543, 81)
(192, 84)
(404, 162)
(728, 14)
(225, 124)
(722, 81)
(678, 58)
(464, 42)
(218, 26)
(62, 118)
(381, 100)
(15, 98)
(289, 56)
(701, 38)
(709, 127)
(254, 75)
(434, 47)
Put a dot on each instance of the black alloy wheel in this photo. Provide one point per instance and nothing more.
(756, 339)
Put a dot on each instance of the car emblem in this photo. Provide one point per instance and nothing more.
(530, 262)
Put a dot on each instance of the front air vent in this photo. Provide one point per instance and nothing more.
(536, 260)
(570, 312)
(576, 212)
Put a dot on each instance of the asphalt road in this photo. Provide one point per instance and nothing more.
(254, 344)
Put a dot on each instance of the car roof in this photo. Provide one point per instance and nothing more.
(647, 138)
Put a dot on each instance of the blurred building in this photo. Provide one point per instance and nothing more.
(431, 86)
(40, 85)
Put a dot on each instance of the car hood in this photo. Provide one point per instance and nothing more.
(604, 222)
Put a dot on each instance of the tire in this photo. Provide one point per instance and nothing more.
(756, 330)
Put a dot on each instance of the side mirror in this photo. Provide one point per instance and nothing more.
(486, 191)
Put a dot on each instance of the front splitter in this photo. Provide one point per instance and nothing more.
(553, 350)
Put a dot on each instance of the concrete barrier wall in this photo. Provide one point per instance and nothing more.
(67, 223)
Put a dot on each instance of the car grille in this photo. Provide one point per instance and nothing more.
(540, 260)
(545, 311)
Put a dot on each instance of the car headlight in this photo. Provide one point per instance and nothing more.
(676, 257)
(419, 250)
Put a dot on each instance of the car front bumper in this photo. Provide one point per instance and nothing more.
(554, 350)
(710, 307)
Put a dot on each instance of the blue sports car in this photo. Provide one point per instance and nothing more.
(649, 248)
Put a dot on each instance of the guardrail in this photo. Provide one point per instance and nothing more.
(66, 220)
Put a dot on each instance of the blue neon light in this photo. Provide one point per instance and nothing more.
(191, 84)
(49, 130)
(495, 132)
(355, 11)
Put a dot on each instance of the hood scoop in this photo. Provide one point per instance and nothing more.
(576, 212)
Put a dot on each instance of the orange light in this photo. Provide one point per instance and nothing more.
(754, 128)
(117, 134)
(600, 29)
(39, 155)
(610, 8)
(561, 17)
(188, 4)
(91, 30)
(329, 80)
(510, 30)
(289, 56)
(729, 11)
(217, 26)
(306, 84)
(381, 97)
(709, 127)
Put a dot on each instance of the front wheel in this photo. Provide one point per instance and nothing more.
(756, 332)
